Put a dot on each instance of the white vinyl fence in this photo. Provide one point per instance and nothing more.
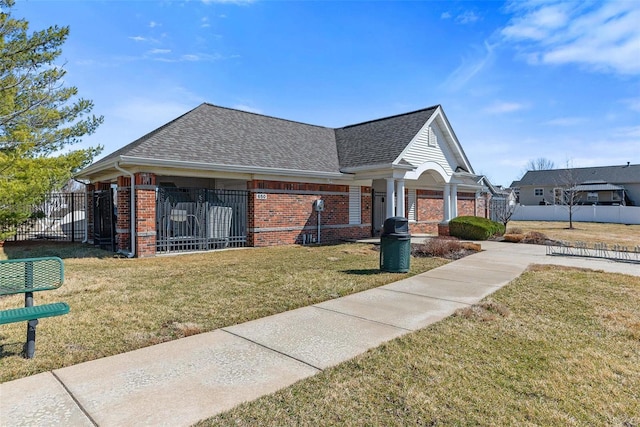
(581, 213)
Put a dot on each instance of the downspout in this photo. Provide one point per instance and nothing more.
(132, 209)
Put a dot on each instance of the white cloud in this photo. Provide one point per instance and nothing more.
(501, 107)
(228, 1)
(445, 15)
(153, 24)
(138, 39)
(627, 132)
(204, 22)
(159, 51)
(566, 121)
(602, 36)
(190, 57)
(470, 67)
(632, 103)
(467, 17)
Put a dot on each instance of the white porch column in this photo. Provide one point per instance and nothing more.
(400, 192)
(454, 201)
(391, 197)
(446, 204)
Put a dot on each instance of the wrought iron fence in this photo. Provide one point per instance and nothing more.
(193, 219)
(61, 216)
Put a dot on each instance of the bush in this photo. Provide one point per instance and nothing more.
(513, 237)
(535, 237)
(474, 228)
(438, 247)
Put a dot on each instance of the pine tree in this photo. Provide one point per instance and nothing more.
(39, 117)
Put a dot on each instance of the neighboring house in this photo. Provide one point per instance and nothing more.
(607, 185)
(217, 177)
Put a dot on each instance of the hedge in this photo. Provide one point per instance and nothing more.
(474, 228)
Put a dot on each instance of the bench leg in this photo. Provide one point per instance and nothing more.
(30, 345)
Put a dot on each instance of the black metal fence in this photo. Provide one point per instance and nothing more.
(193, 219)
(61, 216)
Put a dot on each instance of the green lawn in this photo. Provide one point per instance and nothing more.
(118, 305)
(555, 347)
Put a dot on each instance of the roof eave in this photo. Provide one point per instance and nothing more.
(368, 168)
(178, 164)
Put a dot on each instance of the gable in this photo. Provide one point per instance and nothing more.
(435, 143)
(379, 142)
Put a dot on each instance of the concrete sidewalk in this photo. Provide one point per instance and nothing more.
(183, 381)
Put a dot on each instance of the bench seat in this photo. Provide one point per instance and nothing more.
(36, 312)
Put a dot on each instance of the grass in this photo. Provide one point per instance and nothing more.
(590, 232)
(118, 305)
(556, 347)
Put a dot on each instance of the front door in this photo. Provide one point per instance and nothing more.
(379, 212)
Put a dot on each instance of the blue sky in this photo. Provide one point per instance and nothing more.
(517, 80)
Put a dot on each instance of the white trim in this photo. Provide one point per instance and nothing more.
(415, 174)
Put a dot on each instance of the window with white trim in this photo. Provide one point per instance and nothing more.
(355, 209)
(538, 192)
(411, 202)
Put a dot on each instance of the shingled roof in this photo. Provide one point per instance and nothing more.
(223, 136)
(379, 141)
(216, 135)
(604, 174)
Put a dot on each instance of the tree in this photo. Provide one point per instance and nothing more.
(39, 117)
(539, 164)
(502, 209)
(567, 193)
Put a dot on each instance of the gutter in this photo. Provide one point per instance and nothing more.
(132, 209)
(146, 162)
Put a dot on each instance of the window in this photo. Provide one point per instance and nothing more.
(538, 192)
(592, 197)
(411, 199)
(354, 204)
(432, 138)
(558, 196)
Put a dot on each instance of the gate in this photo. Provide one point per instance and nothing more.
(197, 219)
(104, 220)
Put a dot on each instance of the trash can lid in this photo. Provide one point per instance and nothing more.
(396, 225)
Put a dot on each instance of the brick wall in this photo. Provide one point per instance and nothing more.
(466, 204)
(283, 213)
(145, 189)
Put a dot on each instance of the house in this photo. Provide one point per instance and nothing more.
(606, 185)
(217, 177)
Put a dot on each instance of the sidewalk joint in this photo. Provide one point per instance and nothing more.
(288, 356)
(84, 411)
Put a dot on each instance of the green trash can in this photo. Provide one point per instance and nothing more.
(395, 245)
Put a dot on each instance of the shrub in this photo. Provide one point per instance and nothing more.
(474, 228)
(513, 237)
(438, 247)
(535, 237)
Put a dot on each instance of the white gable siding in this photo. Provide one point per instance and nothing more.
(430, 145)
(354, 204)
